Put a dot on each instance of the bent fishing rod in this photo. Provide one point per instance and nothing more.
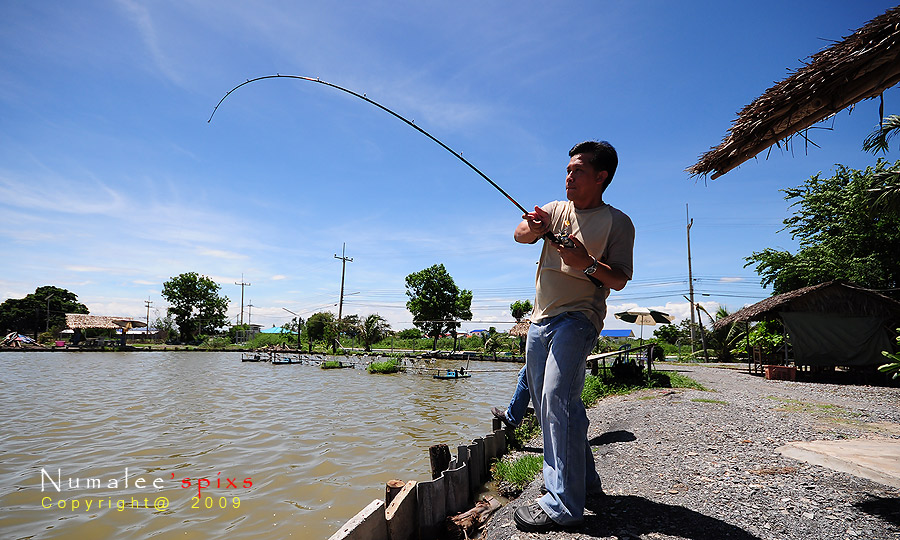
(549, 236)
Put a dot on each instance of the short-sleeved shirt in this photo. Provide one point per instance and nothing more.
(608, 235)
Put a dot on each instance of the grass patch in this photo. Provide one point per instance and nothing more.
(702, 400)
(519, 472)
(331, 364)
(388, 366)
(524, 432)
(596, 387)
(794, 405)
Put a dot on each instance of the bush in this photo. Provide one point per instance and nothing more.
(388, 366)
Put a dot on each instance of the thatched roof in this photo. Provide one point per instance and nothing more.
(861, 66)
(836, 297)
(78, 320)
(520, 329)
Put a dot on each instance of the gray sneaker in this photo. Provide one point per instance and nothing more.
(501, 414)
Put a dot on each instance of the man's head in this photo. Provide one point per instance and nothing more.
(590, 170)
(600, 155)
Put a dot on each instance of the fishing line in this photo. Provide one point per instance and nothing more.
(410, 123)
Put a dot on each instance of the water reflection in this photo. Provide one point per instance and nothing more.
(318, 445)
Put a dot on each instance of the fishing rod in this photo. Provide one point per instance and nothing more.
(549, 236)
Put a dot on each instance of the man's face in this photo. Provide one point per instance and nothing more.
(584, 184)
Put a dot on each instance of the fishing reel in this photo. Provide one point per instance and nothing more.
(561, 239)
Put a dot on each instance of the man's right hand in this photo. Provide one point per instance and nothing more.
(533, 226)
(538, 221)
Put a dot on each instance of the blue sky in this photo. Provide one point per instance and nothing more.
(112, 181)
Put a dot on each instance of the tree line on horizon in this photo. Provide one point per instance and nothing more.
(847, 226)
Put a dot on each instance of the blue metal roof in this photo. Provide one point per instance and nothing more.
(616, 333)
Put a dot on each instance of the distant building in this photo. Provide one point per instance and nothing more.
(617, 335)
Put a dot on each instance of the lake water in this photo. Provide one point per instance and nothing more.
(214, 447)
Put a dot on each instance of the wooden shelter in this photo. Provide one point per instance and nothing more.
(862, 66)
(830, 324)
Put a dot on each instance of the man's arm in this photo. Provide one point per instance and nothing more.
(533, 226)
(578, 257)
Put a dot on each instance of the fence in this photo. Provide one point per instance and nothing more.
(420, 509)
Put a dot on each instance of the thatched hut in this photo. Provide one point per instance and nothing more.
(520, 329)
(78, 320)
(862, 66)
(830, 324)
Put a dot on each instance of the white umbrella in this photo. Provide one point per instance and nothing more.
(645, 317)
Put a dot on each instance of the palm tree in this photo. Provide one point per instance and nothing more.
(887, 197)
(878, 140)
(725, 339)
(372, 330)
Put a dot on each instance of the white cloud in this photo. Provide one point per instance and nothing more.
(142, 19)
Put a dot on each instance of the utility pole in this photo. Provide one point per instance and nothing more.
(344, 260)
(249, 312)
(297, 317)
(147, 303)
(242, 284)
(690, 274)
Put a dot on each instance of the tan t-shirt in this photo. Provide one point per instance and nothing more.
(608, 235)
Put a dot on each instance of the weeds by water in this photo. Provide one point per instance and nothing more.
(518, 472)
(388, 366)
(524, 432)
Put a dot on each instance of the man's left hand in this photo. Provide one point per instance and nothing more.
(577, 256)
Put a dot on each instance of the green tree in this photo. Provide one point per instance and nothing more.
(726, 341)
(373, 329)
(166, 325)
(350, 325)
(30, 314)
(321, 326)
(409, 333)
(668, 333)
(435, 301)
(520, 308)
(840, 237)
(195, 304)
(294, 328)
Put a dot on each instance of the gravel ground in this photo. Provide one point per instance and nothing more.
(702, 465)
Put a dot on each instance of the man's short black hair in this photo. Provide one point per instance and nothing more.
(603, 157)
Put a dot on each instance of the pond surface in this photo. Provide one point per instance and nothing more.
(243, 450)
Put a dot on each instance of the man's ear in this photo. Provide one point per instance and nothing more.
(602, 176)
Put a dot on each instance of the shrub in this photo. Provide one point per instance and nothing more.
(388, 366)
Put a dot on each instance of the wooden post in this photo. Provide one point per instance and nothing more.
(391, 489)
(439, 455)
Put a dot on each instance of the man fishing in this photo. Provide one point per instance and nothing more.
(574, 279)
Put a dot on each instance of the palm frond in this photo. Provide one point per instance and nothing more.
(879, 140)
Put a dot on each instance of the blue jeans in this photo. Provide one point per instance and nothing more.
(519, 402)
(556, 355)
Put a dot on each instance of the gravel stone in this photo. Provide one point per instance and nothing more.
(682, 463)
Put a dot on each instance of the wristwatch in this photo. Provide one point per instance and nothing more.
(592, 268)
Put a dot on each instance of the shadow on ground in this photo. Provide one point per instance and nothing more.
(886, 508)
(613, 437)
(606, 438)
(628, 515)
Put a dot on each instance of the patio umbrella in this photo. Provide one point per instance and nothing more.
(644, 317)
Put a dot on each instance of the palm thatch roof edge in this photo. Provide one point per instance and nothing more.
(860, 67)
